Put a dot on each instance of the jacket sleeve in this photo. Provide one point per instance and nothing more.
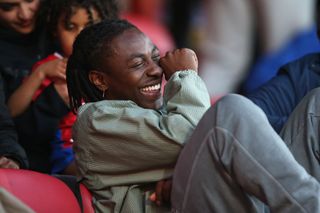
(279, 96)
(9, 145)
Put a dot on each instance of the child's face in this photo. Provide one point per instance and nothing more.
(67, 34)
(19, 15)
(133, 70)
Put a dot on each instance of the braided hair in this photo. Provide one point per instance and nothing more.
(90, 50)
(56, 8)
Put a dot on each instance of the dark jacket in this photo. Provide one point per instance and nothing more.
(9, 145)
(279, 96)
(36, 127)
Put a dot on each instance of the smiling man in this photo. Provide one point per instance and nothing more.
(127, 133)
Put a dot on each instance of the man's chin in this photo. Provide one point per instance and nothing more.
(159, 103)
(155, 105)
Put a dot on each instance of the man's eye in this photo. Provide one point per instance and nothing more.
(6, 7)
(29, 1)
(138, 65)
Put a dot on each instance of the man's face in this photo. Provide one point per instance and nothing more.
(19, 15)
(133, 70)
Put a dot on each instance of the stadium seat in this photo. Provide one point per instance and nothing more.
(44, 193)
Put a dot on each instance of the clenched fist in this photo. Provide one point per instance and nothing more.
(179, 59)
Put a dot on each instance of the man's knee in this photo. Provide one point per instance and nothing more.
(234, 108)
(236, 104)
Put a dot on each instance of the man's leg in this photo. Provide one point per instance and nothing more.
(234, 153)
(302, 133)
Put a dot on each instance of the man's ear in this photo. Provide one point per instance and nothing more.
(99, 79)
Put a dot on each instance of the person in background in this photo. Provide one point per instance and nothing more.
(66, 19)
(23, 41)
(280, 95)
(234, 38)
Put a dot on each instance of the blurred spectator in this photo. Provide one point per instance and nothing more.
(66, 19)
(180, 15)
(266, 66)
(228, 49)
(23, 41)
(237, 32)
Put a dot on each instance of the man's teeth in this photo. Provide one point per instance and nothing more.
(151, 88)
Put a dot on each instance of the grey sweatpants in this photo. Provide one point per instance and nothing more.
(235, 157)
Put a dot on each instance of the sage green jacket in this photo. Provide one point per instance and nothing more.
(121, 149)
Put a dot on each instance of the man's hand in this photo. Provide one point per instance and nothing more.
(163, 192)
(8, 163)
(179, 59)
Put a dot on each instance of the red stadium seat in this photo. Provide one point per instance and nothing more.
(44, 193)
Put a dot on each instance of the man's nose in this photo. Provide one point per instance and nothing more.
(155, 69)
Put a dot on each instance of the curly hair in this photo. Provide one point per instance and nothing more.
(56, 8)
(90, 49)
